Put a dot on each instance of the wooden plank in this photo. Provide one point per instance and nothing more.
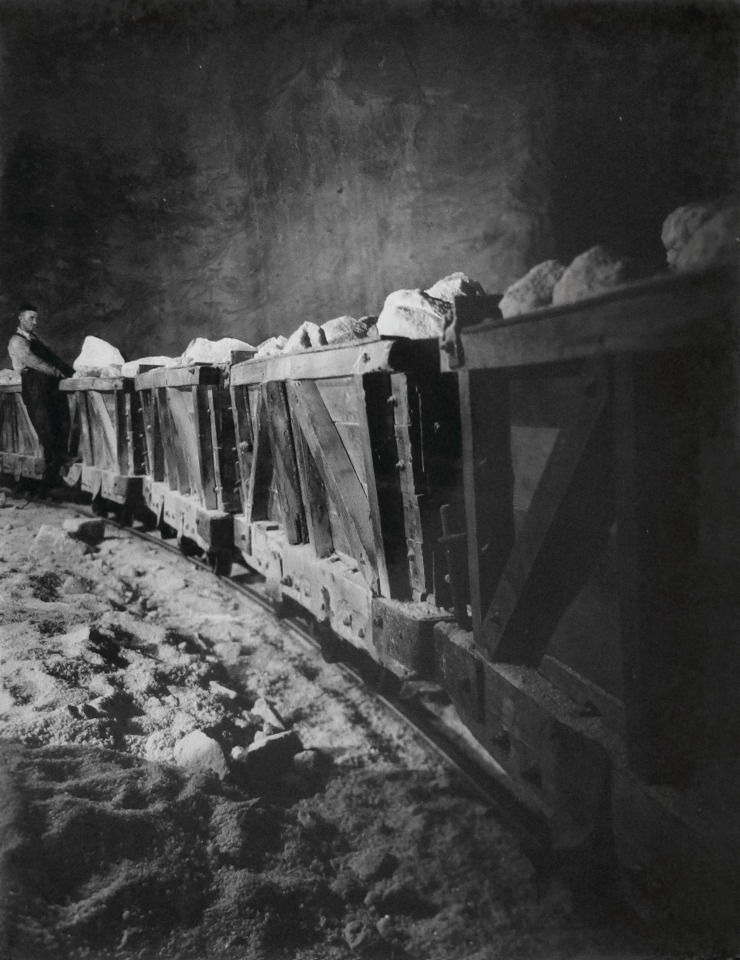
(243, 437)
(185, 442)
(337, 473)
(206, 436)
(85, 433)
(368, 470)
(316, 500)
(225, 455)
(179, 377)
(155, 464)
(410, 474)
(341, 360)
(488, 483)
(378, 406)
(659, 314)
(168, 438)
(135, 433)
(565, 529)
(284, 462)
(658, 449)
(98, 384)
(103, 432)
(258, 494)
(121, 424)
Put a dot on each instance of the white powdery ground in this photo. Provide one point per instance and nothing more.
(363, 845)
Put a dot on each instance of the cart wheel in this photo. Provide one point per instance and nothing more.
(125, 516)
(188, 547)
(98, 507)
(220, 563)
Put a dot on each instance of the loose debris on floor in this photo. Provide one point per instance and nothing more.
(180, 778)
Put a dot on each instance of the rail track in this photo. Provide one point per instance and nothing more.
(420, 705)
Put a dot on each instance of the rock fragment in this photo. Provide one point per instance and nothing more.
(200, 754)
(591, 273)
(413, 314)
(202, 350)
(533, 290)
(372, 865)
(360, 936)
(309, 336)
(347, 329)
(89, 531)
(270, 348)
(702, 236)
(264, 711)
(53, 541)
(98, 358)
(272, 753)
(455, 285)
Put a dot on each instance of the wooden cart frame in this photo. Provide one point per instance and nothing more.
(21, 454)
(192, 480)
(619, 494)
(106, 417)
(346, 454)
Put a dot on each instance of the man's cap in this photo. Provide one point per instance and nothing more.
(27, 306)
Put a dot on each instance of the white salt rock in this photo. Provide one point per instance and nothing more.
(97, 355)
(681, 225)
(270, 348)
(714, 242)
(199, 752)
(413, 314)
(346, 329)
(533, 290)
(591, 273)
(308, 336)
(456, 285)
(202, 350)
(132, 367)
(263, 710)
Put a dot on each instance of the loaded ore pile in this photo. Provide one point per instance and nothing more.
(181, 779)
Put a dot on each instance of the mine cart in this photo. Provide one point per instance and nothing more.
(347, 454)
(106, 419)
(602, 520)
(21, 454)
(191, 486)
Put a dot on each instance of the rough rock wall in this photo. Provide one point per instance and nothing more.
(191, 175)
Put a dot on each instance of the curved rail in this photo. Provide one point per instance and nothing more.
(412, 703)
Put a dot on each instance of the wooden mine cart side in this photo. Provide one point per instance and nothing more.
(192, 484)
(347, 455)
(21, 454)
(602, 516)
(106, 418)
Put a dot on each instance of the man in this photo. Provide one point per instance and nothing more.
(41, 369)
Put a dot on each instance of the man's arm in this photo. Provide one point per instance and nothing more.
(22, 357)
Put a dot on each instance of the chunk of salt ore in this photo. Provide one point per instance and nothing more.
(413, 314)
(202, 350)
(593, 272)
(533, 290)
(98, 358)
(701, 235)
(346, 329)
(308, 336)
(9, 376)
(423, 314)
(270, 348)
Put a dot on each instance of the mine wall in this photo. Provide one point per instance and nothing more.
(173, 170)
